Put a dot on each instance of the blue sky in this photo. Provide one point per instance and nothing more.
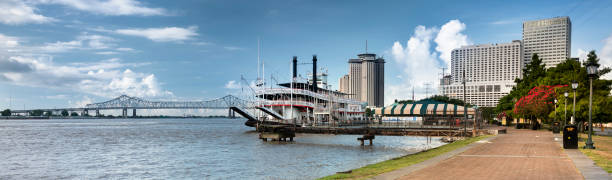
(59, 53)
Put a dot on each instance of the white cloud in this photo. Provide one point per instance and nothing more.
(504, 22)
(59, 96)
(81, 103)
(420, 64)
(82, 42)
(105, 78)
(582, 54)
(162, 34)
(232, 48)
(17, 12)
(107, 53)
(417, 61)
(605, 56)
(8, 41)
(449, 38)
(232, 85)
(202, 43)
(125, 49)
(110, 7)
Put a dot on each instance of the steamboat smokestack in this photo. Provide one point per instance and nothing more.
(314, 73)
(294, 67)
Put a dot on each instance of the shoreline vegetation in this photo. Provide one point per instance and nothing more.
(403, 161)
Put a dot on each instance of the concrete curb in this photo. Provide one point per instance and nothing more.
(407, 170)
(584, 164)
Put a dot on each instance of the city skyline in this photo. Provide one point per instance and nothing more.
(69, 53)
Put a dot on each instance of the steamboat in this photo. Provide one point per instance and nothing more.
(305, 102)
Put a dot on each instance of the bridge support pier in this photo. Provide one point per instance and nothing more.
(134, 112)
(97, 113)
(124, 112)
(231, 114)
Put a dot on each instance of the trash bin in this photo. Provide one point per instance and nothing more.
(570, 137)
(556, 128)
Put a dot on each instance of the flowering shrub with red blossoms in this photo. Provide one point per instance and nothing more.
(501, 115)
(538, 100)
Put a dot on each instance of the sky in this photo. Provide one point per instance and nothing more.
(68, 53)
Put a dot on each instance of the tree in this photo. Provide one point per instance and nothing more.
(488, 113)
(601, 100)
(48, 113)
(531, 73)
(64, 112)
(368, 112)
(36, 113)
(74, 114)
(444, 99)
(562, 74)
(6, 112)
(537, 103)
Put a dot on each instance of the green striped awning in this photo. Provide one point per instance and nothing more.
(423, 108)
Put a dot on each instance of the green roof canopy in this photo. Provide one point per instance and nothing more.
(423, 108)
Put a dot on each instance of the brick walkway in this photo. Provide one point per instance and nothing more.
(520, 154)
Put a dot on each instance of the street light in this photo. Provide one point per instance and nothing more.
(592, 72)
(565, 107)
(556, 101)
(464, 105)
(574, 87)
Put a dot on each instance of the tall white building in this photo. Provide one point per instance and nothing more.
(551, 39)
(366, 80)
(490, 70)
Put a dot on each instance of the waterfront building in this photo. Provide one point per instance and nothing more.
(343, 83)
(366, 79)
(490, 70)
(549, 38)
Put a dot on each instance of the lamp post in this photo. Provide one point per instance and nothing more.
(592, 72)
(556, 101)
(464, 106)
(565, 107)
(574, 87)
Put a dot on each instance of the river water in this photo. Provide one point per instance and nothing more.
(208, 148)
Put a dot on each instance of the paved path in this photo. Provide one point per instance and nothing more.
(520, 154)
(583, 163)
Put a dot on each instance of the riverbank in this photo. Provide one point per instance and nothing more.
(404, 161)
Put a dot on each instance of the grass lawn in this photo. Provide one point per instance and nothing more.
(404, 161)
(602, 155)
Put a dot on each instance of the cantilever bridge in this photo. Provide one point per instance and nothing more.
(125, 103)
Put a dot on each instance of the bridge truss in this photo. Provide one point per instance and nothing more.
(124, 102)
(128, 102)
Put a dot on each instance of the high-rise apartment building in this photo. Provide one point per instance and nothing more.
(366, 79)
(490, 70)
(549, 38)
(354, 86)
(343, 83)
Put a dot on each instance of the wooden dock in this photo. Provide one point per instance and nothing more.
(385, 131)
(277, 132)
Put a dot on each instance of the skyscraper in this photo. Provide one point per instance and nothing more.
(490, 70)
(550, 38)
(343, 84)
(366, 79)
